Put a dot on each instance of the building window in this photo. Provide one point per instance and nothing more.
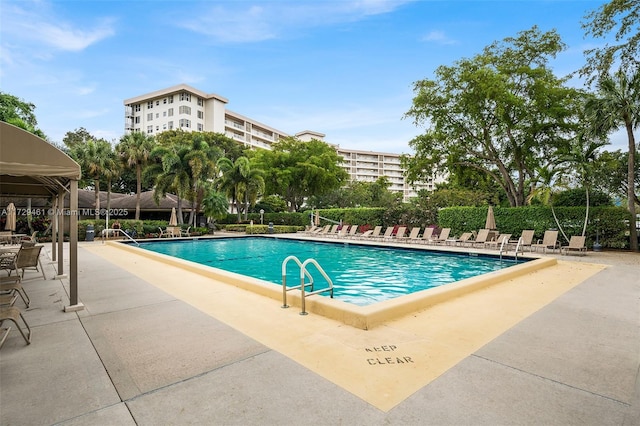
(149, 129)
(200, 102)
(200, 127)
(137, 120)
(157, 128)
(149, 104)
(164, 101)
(184, 96)
(185, 110)
(164, 126)
(164, 113)
(170, 125)
(171, 99)
(158, 102)
(150, 116)
(170, 112)
(137, 107)
(201, 114)
(185, 123)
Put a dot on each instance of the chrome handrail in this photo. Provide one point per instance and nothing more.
(107, 230)
(302, 293)
(284, 279)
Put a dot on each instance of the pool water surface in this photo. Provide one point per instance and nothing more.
(361, 274)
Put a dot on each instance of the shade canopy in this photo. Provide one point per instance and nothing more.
(173, 220)
(32, 167)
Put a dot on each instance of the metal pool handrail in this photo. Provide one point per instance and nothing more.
(303, 285)
(106, 232)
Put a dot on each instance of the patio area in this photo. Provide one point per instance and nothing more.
(149, 349)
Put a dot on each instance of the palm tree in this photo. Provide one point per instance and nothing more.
(202, 164)
(549, 177)
(135, 151)
(171, 171)
(240, 181)
(618, 105)
(215, 204)
(95, 159)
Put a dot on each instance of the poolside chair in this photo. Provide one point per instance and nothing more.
(576, 244)
(353, 231)
(426, 236)
(549, 242)
(27, 257)
(371, 233)
(399, 233)
(333, 230)
(463, 240)
(322, 230)
(387, 233)
(481, 238)
(497, 243)
(12, 285)
(185, 233)
(12, 314)
(413, 235)
(443, 237)
(526, 239)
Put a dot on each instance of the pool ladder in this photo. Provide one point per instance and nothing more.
(504, 248)
(303, 285)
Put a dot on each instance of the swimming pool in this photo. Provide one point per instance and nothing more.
(362, 274)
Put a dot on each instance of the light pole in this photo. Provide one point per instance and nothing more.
(261, 216)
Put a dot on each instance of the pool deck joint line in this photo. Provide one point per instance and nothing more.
(383, 365)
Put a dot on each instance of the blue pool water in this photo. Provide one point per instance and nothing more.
(361, 274)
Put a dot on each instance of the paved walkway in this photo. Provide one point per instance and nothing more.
(140, 355)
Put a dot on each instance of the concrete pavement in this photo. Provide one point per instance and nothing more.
(139, 355)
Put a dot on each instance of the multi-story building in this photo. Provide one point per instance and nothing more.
(184, 107)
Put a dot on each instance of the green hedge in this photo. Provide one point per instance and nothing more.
(142, 228)
(610, 223)
(294, 219)
(263, 229)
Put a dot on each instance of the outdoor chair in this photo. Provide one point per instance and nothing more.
(371, 233)
(399, 233)
(353, 231)
(497, 243)
(549, 241)
(443, 237)
(464, 239)
(426, 236)
(27, 257)
(576, 244)
(413, 235)
(387, 233)
(12, 285)
(185, 232)
(12, 314)
(481, 238)
(526, 239)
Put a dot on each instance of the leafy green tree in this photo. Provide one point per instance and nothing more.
(215, 204)
(502, 112)
(19, 113)
(271, 204)
(77, 137)
(623, 18)
(610, 174)
(241, 179)
(134, 151)
(617, 105)
(296, 170)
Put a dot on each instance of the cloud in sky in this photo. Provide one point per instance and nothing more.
(38, 25)
(438, 37)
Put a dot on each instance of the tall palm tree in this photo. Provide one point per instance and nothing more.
(172, 173)
(95, 159)
(134, 150)
(201, 159)
(617, 105)
(240, 180)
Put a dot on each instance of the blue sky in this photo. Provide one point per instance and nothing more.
(343, 68)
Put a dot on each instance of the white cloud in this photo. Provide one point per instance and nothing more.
(38, 24)
(438, 37)
(241, 22)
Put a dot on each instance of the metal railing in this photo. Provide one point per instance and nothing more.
(303, 272)
(107, 231)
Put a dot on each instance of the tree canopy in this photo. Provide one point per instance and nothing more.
(296, 170)
(502, 112)
(19, 113)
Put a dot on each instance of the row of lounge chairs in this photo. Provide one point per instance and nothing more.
(484, 238)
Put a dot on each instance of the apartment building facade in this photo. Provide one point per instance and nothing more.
(184, 107)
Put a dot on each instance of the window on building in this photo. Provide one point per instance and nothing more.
(164, 113)
(157, 128)
(170, 124)
(185, 123)
(164, 101)
(150, 104)
(200, 127)
(157, 115)
(184, 109)
(149, 129)
(150, 116)
(170, 99)
(164, 126)
(158, 102)
(184, 96)
(200, 101)
(136, 120)
(137, 107)
(170, 112)
(201, 114)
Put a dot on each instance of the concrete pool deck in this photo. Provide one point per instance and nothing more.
(560, 347)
